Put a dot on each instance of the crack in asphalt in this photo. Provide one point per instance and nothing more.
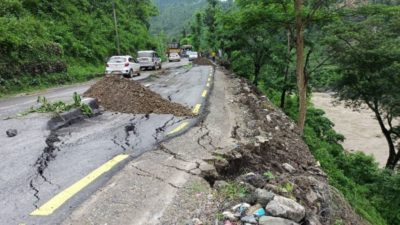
(150, 175)
(42, 162)
(185, 170)
(169, 152)
(205, 136)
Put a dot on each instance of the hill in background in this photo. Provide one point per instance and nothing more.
(174, 15)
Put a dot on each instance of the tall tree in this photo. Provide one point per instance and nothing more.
(366, 48)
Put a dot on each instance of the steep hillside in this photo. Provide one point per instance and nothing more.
(174, 15)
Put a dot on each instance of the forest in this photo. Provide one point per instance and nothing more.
(47, 43)
(290, 48)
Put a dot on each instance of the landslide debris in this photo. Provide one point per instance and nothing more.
(202, 61)
(127, 96)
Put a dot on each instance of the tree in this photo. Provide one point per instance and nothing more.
(366, 49)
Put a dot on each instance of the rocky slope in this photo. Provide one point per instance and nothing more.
(269, 177)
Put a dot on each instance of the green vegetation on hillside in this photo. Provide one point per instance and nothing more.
(345, 49)
(46, 43)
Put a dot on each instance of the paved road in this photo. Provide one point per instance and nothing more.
(48, 173)
(9, 107)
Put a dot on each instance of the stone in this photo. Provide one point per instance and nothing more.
(253, 209)
(285, 208)
(230, 216)
(288, 167)
(11, 132)
(254, 179)
(249, 219)
(311, 197)
(269, 220)
(197, 221)
(313, 220)
(219, 184)
(263, 196)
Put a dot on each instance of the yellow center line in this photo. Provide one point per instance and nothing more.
(196, 109)
(208, 84)
(209, 79)
(204, 94)
(53, 204)
(178, 128)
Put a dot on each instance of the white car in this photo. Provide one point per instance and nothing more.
(149, 60)
(193, 55)
(125, 65)
(174, 57)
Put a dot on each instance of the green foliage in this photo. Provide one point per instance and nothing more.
(60, 106)
(233, 191)
(365, 45)
(41, 40)
(269, 175)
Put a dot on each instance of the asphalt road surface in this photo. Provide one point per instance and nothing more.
(45, 174)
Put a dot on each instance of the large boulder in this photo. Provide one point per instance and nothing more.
(285, 208)
(269, 220)
(263, 196)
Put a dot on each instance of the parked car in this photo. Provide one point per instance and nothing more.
(193, 55)
(125, 65)
(149, 60)
(174, 57)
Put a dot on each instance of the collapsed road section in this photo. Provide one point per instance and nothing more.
(84, 149)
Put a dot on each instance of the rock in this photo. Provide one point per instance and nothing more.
(254, 179)
(241, 208)
(263, 196)
(285, 208)
(261, 139)
(269, 220)
(197, 221)
(219, 184)
(249, 219)
(269, 118)
(311, 197)
(288, 167)
(249, 198)
(253, 209)
(230, 216)
(312, 220)
(11, 132)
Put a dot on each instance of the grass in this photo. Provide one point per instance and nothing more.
(234, 191)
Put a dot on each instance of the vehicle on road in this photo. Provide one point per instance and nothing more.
(125, 65)
(174, 57)
(149, 60)
(185, 50)
(192, 55)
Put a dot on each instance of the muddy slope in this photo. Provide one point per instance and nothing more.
(118, 94)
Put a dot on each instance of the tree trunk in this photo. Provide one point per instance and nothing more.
(285, 80)
(257, 69)
(301, 82)
(391, 162)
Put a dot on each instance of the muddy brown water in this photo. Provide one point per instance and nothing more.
(360, 128)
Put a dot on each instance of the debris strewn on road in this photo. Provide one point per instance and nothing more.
(202, 61)
(11, 132)
(127, 96)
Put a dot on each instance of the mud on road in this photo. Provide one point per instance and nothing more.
(118, 94)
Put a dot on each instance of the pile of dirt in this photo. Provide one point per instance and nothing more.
(123, 95)
(203, 61)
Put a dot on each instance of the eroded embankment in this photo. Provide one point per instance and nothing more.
(276, 167)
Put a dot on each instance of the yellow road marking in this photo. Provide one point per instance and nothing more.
(208, 84)
(178, 128)
(196, 109)
(53, 204)
(204, 93)
(209, 79)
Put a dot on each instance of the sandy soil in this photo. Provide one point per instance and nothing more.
(361, 129)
